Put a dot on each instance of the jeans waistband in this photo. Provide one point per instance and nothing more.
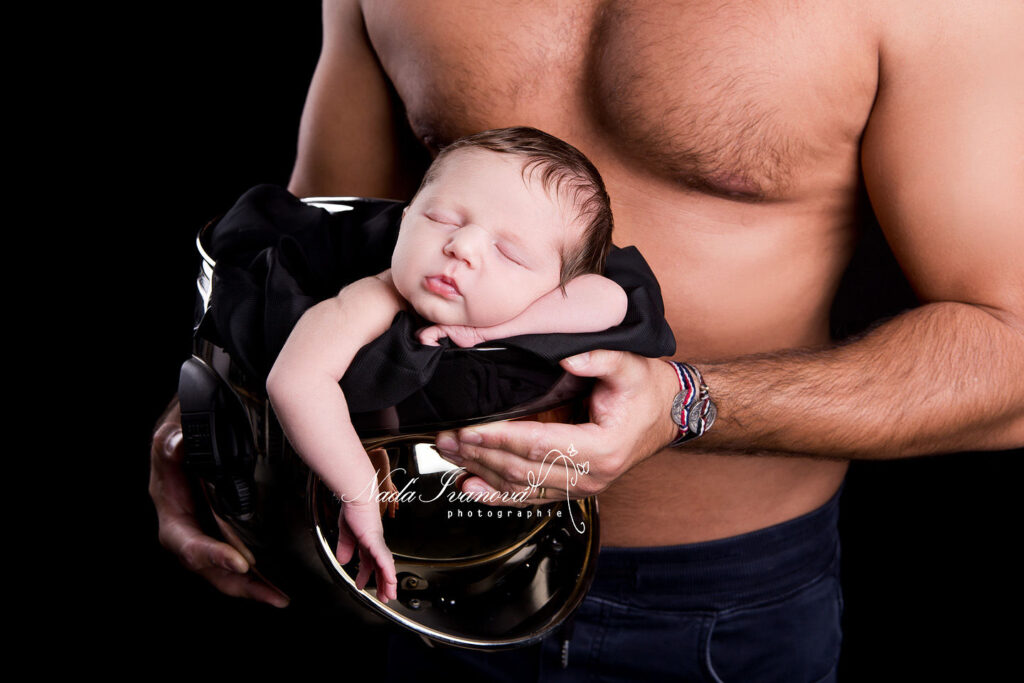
(717, 574)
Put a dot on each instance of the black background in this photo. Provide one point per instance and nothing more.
(197, 104)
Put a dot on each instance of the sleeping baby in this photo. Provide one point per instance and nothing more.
(506, 236)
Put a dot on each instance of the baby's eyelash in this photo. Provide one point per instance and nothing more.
(507, 255)
(439, 219)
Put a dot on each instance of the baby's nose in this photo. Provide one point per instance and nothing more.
(466, 244)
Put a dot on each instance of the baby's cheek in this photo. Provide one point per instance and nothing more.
(479, 316)
(498, 311)
(400, 277)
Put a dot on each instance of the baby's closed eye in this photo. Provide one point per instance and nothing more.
(443, 219)
(509, 254)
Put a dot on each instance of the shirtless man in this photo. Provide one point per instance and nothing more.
(735, 140)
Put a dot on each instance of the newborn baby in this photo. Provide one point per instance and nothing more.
(505, 236)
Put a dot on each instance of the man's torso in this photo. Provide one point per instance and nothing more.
(728, 136)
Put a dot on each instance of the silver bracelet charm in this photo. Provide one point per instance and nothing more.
(693, 411)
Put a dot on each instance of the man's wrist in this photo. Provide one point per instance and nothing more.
(692, 411)
(667, 387)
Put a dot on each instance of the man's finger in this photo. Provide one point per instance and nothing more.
(168, 484)
(531, 440)
(167, 442)
(182, 536)
(481, 480)
(232, 539)
(613, 367)
(557, 478)
(554, 471)
(243, 586)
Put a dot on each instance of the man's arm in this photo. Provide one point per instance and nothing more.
(352, 128)
(943, 159)
(591, 303)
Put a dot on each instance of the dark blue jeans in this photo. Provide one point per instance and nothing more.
(759, 607)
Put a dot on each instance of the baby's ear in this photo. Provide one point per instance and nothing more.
(405, 211)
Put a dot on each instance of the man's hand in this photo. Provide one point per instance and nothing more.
(224, 566)
(629, 413)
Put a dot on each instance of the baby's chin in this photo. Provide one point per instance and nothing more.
(441, 315)
(441, 312)
(436, 312)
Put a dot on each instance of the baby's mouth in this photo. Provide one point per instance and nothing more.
(442, 285)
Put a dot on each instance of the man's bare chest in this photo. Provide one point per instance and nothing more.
(740, 99)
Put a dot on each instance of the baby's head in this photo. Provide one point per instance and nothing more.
(502, 218)
(566, 176)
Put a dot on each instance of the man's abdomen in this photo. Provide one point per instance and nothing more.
(677, 497)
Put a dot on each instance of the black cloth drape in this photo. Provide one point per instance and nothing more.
(276, 256)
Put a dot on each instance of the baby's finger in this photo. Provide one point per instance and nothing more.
(387, 580)
(386, 589)
(344, 551)
(428, 336)
(346, 541)
(366, 567)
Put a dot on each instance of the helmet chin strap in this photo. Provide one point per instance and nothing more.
(217, 437)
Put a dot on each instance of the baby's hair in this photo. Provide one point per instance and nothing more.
(563, 167)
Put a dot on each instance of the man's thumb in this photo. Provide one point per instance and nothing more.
(598, 363)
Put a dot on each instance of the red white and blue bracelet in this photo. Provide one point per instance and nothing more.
(693, 411)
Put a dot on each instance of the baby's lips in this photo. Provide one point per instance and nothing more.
(451, 282)
(443, 285)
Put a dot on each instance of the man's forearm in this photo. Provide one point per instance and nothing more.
(940, 378)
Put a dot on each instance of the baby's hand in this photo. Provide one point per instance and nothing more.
(460, 335)
(359, 525)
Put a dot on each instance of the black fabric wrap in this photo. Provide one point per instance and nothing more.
(277, 256)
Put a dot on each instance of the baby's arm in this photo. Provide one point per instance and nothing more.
(591, 303)
(304, 391)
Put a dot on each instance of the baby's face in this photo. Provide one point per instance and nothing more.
(479, 244)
